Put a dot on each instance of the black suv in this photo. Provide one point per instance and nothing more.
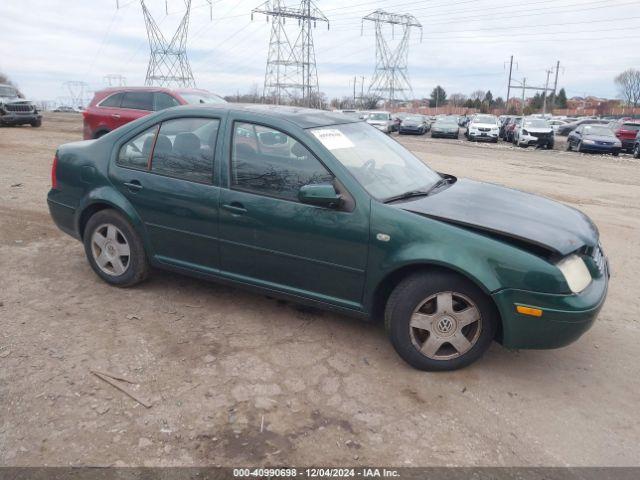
(15, 110)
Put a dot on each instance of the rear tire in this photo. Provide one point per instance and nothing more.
(440, 321)
(636, 151)
(114, 249)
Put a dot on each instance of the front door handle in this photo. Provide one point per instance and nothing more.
(235, 207)
(115, 115)
(133, 186)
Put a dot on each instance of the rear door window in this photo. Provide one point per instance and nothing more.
(112, 101)
(185, 149)
(138, 101)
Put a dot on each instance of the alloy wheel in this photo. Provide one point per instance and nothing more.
(110, 249)
(445, 325)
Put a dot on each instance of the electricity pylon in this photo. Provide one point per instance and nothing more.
(291, 75)
(115, 80)
(168, 62)
(77, 91)
(391, 78)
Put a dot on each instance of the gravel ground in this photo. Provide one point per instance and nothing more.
(235, 378)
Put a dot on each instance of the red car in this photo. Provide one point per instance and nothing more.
(114, 107)
(626, 130)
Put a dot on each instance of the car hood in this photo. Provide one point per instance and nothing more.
(483, 125)
(378, 122)
(510, 213)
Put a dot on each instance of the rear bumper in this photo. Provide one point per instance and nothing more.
(565, 318)
(601, 148)
(11, 118)
(63, 216)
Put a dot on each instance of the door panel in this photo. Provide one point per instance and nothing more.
(173, 194)
(267, 235)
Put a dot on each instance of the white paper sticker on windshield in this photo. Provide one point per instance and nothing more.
(332, 138)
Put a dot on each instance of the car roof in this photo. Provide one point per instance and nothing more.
(300, 116)
(151, 89)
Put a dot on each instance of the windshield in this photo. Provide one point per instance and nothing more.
(484, 119)
(536, 123)
(380, 164)
(195, 98)
(378, 116)
(8, 92)
(597, 130)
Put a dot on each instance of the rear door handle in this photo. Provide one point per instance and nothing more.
(115, 115)
(235, 207)
(133, 185)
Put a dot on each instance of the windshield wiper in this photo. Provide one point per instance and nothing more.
(417, 193)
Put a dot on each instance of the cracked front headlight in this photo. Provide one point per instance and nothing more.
(575, 272)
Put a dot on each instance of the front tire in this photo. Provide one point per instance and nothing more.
(114, 249)
(36, 123)
(636, 151)
(440, 321)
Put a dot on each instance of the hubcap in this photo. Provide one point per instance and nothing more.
(110, 249)
(445, 325)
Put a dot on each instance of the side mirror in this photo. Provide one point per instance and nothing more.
(321, 195)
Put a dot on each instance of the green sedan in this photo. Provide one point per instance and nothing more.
(318, 208)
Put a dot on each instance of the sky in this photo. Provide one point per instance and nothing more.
(465, 44)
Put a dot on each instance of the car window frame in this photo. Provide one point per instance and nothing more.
(230, 136)
(123, 143)
(219, 146)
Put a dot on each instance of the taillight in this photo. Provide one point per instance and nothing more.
(54, 167)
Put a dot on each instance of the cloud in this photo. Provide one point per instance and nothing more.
(465, 44)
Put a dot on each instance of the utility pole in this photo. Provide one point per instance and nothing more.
(544, 94)
(509, 84)
(291, 67)
(524, 87)
(555, 83)
(391, 78)
(355, 79)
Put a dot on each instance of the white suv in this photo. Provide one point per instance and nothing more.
(483, 127)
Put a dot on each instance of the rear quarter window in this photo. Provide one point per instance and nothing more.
(113, 101)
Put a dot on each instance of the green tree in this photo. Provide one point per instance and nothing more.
(488, 98)
(438, 97)
(499, 102)
(561, 99)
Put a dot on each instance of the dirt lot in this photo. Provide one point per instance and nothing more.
(219, 365)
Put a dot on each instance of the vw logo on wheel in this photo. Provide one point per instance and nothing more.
(445, 325)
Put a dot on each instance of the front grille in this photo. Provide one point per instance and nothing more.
(484, 129)
(18, 107)
(541, 136)
(604, 143)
